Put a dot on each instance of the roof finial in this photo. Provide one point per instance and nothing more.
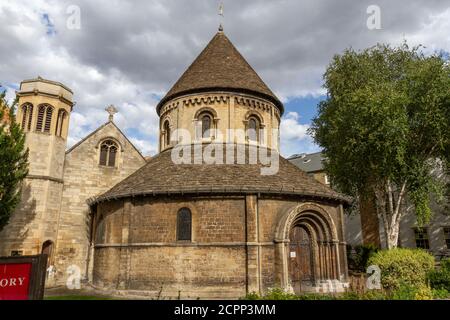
(221, 14)
(112, 111)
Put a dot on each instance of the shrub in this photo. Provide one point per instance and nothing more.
(316, 296)
(373, 295)
(369, 295)
(407, 291)
(440, 279)
(440, 294)
(272, 294)
(408, 266)
(358, 256)
(252, 296)
(445, 264)
(279, 294)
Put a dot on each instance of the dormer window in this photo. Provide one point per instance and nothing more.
(108, 153)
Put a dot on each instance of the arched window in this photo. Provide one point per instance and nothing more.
(108, 153)
(206, 121)
(184, 225)
(27, 116)
(166, 133)
(253, 129)
(44, 120)
(62, 114)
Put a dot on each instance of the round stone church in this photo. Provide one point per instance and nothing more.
(198, 228)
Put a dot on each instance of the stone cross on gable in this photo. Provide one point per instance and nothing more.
(112, 111)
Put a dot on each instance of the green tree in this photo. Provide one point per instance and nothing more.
(384, 128)
(13, 160)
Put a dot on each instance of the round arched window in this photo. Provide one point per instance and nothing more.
(166, 133)
(253, 129)
(184, 225)
(206, 125)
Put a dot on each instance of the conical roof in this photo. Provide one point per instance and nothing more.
(220, 66)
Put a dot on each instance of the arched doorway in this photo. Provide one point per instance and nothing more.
(301, 268)
(47, 248)
(308, 250)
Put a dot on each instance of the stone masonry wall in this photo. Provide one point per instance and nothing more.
(232, 249)
(35, 219)
(231, 112)
(85, 178)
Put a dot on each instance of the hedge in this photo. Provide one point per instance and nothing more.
(403, 267)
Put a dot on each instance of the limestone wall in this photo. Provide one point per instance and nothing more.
(35, 219)
(233, 248)
(230, 111)
(85, 178)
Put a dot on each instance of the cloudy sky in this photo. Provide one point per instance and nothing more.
(129, 53)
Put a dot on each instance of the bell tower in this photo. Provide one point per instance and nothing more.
(44, 113)
(44, 109)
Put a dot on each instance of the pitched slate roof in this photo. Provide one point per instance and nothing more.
(161, 176)
(312, 162)
(220, 66)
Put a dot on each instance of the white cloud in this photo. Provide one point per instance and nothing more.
(144, 146)
(126, 52)
(435, 34)
(294, 136)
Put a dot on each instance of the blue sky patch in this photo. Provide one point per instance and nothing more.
(45, 20)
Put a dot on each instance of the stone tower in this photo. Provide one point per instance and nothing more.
(43, 112)
(220, 98)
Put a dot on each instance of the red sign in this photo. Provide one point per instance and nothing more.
(14, 281)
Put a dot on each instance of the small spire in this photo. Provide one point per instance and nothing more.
(112, 111)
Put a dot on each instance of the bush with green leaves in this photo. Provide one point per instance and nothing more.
(403, 266)
(440, 279)
(369, 295)
(358, 256)
(440, 294)
(13, 159)
(406, 291)
(280, 294)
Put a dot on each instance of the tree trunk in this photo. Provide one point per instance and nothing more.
(390, 211)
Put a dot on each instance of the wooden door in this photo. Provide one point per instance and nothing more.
(300, 259)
